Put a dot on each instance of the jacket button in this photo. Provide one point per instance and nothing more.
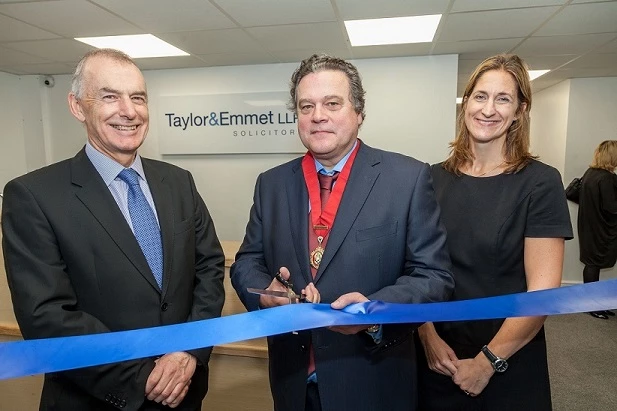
(164, 307)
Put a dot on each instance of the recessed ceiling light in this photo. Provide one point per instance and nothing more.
(136, 46)
(534, 74)
(394, 30)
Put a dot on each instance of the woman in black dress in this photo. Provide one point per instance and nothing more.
(506, 217)
(597, 216)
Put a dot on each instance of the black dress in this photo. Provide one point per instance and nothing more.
(487, 220)
(597, 218)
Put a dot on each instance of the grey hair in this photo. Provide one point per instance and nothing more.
(323, 62)
(77, 83)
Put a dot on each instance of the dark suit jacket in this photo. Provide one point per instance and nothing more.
(387, 243)
(74, 267)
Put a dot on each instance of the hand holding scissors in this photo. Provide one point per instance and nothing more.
(280, 292)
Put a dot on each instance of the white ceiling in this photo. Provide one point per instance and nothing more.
(574, 38)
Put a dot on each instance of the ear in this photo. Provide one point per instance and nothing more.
(360, 119)
(76, 108)
(520, 112)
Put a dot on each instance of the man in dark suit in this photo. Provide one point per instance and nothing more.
(77, 262)
(377, 237)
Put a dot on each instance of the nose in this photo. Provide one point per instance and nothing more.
(127, 107)
(488, 109)
(319, 114)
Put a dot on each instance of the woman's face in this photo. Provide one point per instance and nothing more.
(492, 106)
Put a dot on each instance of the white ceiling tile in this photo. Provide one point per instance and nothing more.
(610, 47)
(59, 50)
(496, 24)
(59, 17)
(562, 44)
(370, 9)
(476, 47)
(545, 62)
(300, 36)
(476, 5)
(237, 59)
(18, 1)
(10, 57)
(225, 41)
(46, 68)
(12, 69)
(398, 50)
(589, 72)
(593, 61)
(178, 62)
(165, 16)
(582, 19)
(272, 12)
(467, 65)
(15, 30)
(294, 56)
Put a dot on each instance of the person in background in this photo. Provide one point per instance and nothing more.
(111, 241)
(597, 216)
(506, 217)
(378, 236)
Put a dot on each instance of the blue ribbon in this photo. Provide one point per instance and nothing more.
(23, 358)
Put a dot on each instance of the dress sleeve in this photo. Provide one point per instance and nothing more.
(548, 215)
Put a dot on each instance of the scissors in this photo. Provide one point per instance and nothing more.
(289, 294)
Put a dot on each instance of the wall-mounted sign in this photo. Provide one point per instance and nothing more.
(227, 123)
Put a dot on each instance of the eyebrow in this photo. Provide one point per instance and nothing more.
(328, 97)
(114, 91)
(501, 93)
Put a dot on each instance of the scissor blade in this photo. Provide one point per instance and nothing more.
(271, 293)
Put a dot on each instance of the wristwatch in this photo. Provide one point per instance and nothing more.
(499, 364)
(373, 328)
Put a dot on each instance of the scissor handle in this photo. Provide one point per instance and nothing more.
(283, 281)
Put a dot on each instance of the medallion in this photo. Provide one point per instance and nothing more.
(317, 254)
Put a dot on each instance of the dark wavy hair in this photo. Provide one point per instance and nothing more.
(322, 62)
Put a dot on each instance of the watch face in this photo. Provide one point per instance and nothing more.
(500, 365)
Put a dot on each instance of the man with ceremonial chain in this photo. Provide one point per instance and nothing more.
(346, 223)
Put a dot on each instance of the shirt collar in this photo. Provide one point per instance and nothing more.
(338, 167)
(109, 168)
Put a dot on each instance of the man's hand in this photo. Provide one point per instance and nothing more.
(169, 381)
(266, 301)
(342, 302)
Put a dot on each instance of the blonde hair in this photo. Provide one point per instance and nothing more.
(605, 156)
(517, 153)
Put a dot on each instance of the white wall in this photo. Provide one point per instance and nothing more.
(592, 119)
(549, 124)
(410, 109)
(12, 148)
(569, 120)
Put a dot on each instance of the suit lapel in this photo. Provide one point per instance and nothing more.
(95, 196)
(364, 173)
(161, 194)
(297, 200)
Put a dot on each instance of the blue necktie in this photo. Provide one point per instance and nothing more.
(144, 222)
